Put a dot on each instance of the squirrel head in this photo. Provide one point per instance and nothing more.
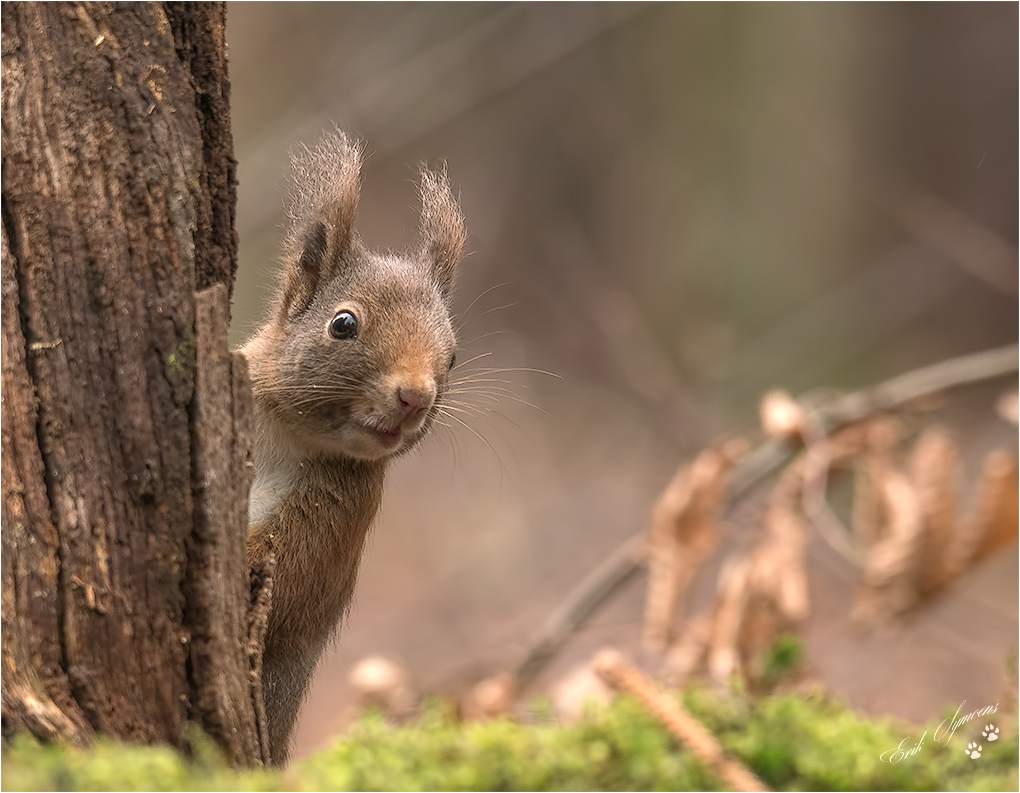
(355, 359)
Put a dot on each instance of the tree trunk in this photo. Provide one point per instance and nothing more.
(126, 601)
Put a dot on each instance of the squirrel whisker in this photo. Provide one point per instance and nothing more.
(467, 312)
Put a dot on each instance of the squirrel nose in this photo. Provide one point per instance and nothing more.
(414, 400)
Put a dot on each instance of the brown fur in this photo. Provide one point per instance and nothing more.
(322, 404)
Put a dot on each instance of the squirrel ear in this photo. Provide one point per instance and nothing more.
(301, 278)
(442, 226)
(325, 183)
(316, 247)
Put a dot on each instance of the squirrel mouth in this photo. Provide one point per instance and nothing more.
(386, 439)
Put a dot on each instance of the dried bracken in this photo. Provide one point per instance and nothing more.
(905, 537)
(912, 517)
(935, 472)
(684, 531)
(687, 654)
(899, 517)
(765, 593)
(997, 507)
(821, 455)
(921, 545)
(873, 460)
(684, 727)
(993, 520)
(780, 568)
(731, 601)
(888, 584)
(760, 594)
(864, 515)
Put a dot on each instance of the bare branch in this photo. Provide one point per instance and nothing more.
(602, 582)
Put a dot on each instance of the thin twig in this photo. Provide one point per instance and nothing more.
(598, 585)
(627, 559)
(954, 372)
(685, 728)
(814, 500)
(944, 229)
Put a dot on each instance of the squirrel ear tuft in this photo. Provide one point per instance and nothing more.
(442, 226)
(338, 160)
(325, 184)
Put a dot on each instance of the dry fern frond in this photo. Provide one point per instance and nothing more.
(761, 624)
(760, 594)
(821, 455)
(688, 653)
(866, 512)
(868, 516)
(724, 646)
(782, 571)
(935, 471)
(883, 433)
(889, 583)
(777, 589)
(997, 504)
(685, 530)
(993, 521)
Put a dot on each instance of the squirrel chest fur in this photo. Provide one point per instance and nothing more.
(349, 371)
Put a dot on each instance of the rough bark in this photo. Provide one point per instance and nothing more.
(216, 587)
(125, 595)
(200, 38)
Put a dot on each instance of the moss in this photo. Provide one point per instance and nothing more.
(620, 748)
(110, 765)
(815, 743)
(182, 355)
(793, 743)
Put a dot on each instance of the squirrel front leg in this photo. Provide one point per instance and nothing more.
(286, 671)
(315, 572)
(285, 678)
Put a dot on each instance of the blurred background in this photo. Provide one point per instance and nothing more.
(672, 208)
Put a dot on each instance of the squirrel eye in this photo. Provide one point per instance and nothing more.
(344, 326)
(453, 360)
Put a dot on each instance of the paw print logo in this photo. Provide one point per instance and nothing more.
(973, 750)
(990, 732)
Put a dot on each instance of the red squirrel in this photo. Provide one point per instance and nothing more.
(349, 371)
